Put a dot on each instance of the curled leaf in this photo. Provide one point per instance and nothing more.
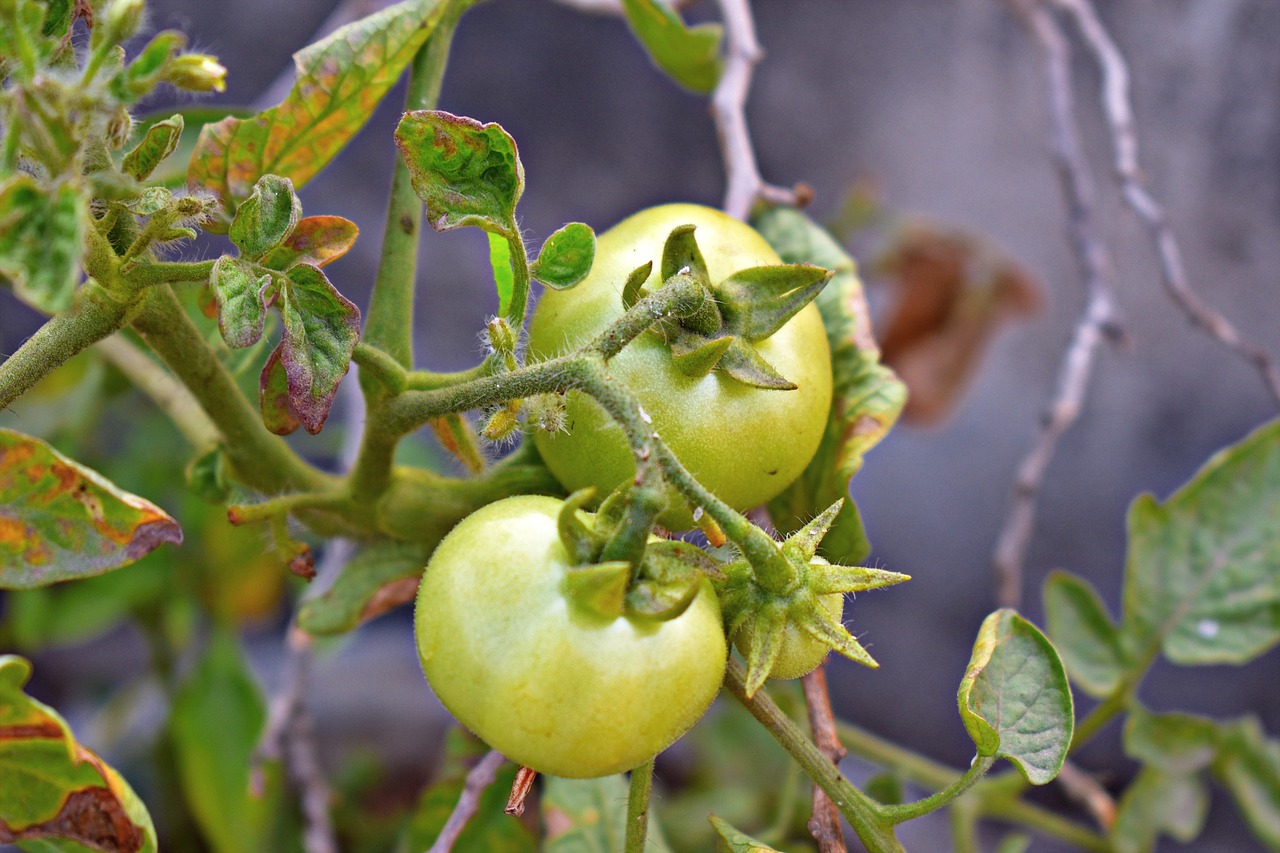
(566, 256)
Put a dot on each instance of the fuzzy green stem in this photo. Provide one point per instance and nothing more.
(260, 460)
(935, 801)
(94, 315)
(638, 807)
(145, 275)
(382, 367)
(1105, 712)
(389, 321)
(519, 304)
(1046, 823)
(281, 507)
(860, 810)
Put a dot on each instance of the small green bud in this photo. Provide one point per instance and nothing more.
(503, 340)
(124, 18)
(197, 72)
(502, 423)
(119, 128)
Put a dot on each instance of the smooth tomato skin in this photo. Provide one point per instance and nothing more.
(745, 444)
(542, 679)
(801, 654)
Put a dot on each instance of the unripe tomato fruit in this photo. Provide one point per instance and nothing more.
(801, 653)
(543, 679)
(745, 444)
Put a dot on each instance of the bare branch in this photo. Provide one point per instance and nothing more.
(1099, 319)
(728, 107)
(1086, 791)
(824, 826)
(1118, 109)
(479, 778)
(520, 789)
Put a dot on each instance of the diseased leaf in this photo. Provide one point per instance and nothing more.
(468, 173)
(158, 142)
(41, 232)
(317, 240)
(321, 327)
(273, 395)
(55, 793)
(867, 398)
(239, 292)
(1084, 633)
(266, 217)
(491, 830)
(378, 578)
(1014, 699)
(1176, 743)
(590, 816)
(731, 840)
(566, 256)
(689, 55)
(1158, 803)
(218, 715)
(60, 520)
(340, 79)
(1200, 580)
(1249, 767)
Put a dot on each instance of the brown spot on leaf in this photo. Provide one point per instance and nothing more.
(406, 224)
(35, 730)
(93, 817)
(390, 597)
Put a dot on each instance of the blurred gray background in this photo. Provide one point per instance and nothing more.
(941, 103)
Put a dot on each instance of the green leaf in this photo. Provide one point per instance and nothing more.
(321, 328)
(172, 172)
(1084, 633)
(60, 520)
(1200, 582)
(1249, 767)
(490, 830)
(1176, 743)
(468, 173)
(733, 841)
(207, 476)
(1158, 803)
(317, 240)
(590, 816)
(1014, 699)
(503, 276)
(56, 794)
(273, 395)
(158, 142)
(41, 231)
(340, 80)
(566, 257)
(689, 55)
(266, 217)
(239, 292)
(867, 396)
(218, 715)
(381, 575)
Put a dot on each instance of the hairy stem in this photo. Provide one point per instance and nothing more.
(862, 813)
(638, 807)
(160, 386)
(937, 800)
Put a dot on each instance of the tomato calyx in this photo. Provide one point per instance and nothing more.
(743, 309)
(758, 620)
(659, 584)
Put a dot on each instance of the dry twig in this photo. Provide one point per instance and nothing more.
(479, 778)
(824, 826)
(1117, 108)
(728, 108)
(1099, 319)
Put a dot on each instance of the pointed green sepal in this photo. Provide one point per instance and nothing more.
(696, 356)
(662, 600)
(757, 302)
(826, 578)
(631, 291)
(668, 556)
(580, 541)
(680, 254)
(822, 627)
(600, 587)
(767, 633)
(744, 363)
(804, 542)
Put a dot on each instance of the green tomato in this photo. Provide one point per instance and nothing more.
(801, 652)
(542, 678)
(745, 444)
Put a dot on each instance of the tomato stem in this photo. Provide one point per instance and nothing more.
(638, 807)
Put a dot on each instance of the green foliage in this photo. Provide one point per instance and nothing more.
(690, 56)
(321, 327)
(565, 259)
(1014, 699)
(733, 841)
(158, 142)
(41, 232)
(589, 816)
(1084, 634)
(383, 574)
(265, 218)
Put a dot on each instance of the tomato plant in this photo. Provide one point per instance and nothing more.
(743, 442)
(546, 677)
